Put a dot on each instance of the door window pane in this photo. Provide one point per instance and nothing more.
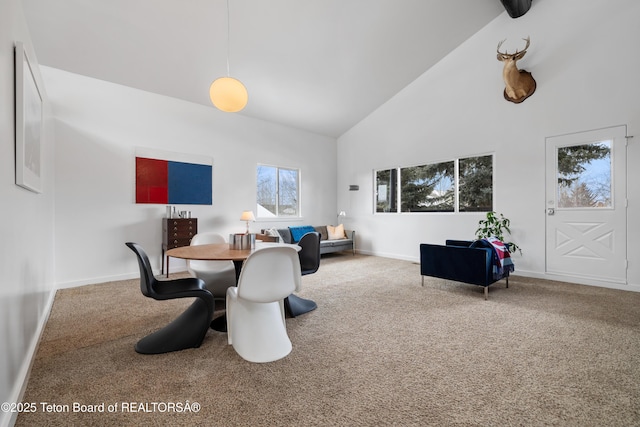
(475, 181)
(584, 176)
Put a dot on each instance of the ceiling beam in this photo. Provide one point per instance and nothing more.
(516, 8)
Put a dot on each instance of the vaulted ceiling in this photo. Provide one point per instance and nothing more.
(318, 65)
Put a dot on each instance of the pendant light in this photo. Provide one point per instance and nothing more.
(226, 93)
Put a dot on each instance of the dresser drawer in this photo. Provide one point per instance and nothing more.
(177, 243)
(180, 225)
(180, 235)
(181, 222)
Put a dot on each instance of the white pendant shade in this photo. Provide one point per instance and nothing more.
(228, 94)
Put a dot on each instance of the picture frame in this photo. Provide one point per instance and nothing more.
(29, 108)
(164, 177)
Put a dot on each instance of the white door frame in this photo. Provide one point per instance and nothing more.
(589, 245)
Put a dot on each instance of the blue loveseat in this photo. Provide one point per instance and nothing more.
(459, 261)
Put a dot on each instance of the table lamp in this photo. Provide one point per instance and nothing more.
(247, 216)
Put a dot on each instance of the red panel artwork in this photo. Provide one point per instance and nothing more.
(151, 181)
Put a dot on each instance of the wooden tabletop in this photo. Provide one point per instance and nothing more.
(217, 252)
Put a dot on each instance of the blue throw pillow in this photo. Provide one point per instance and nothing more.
(298, 232)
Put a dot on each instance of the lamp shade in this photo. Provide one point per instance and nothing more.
(228, 94)
(247, 216)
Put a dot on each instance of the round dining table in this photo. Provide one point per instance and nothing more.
(222, 252)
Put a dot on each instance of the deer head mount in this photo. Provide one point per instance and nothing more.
(519, 84)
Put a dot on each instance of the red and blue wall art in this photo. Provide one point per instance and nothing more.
(165, 181)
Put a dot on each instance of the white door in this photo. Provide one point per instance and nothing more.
(586, 227)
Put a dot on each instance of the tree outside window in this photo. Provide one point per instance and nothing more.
(428, 188)
(438, 187)
(386, 190)
(475, 181)
(584, 176)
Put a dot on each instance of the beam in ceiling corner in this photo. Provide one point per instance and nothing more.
(516, 8)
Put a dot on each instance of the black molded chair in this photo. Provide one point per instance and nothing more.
(309, 263)
(310, 253)
(187, 330)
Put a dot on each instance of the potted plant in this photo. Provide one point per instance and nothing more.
(495, 225)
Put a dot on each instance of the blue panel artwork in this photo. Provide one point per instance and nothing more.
(189, 183)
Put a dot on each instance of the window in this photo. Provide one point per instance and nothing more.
(277, 192)
(428, 188)
(475, 184)
(462, 185)
(386, 190)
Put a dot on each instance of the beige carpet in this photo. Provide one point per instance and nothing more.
(379, 350)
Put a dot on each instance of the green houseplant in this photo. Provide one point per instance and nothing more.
(495, 225)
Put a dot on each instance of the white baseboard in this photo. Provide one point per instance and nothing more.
(8, 419)
(114, 278)
(94, 280)
(532, 274)
(388, 255)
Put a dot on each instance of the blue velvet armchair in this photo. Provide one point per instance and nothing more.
(459, 261)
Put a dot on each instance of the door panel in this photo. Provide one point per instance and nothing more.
(586, 205)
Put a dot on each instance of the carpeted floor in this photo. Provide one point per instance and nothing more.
(379, 350)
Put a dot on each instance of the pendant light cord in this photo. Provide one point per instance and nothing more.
(228, 38)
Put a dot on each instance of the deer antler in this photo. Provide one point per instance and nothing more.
(518, 54)
(527, 46)
(498, 49)
(517, 51)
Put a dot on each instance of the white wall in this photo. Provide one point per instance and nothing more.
(585, 59)
(26, 253)
(99, 124)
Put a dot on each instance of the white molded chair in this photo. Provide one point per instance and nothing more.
(255, 308)
(217, 275)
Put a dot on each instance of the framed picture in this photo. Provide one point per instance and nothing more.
(164, 177)
(28, 123)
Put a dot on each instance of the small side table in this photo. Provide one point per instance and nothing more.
(176, 232)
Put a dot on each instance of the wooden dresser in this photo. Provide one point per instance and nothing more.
(176, 232)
